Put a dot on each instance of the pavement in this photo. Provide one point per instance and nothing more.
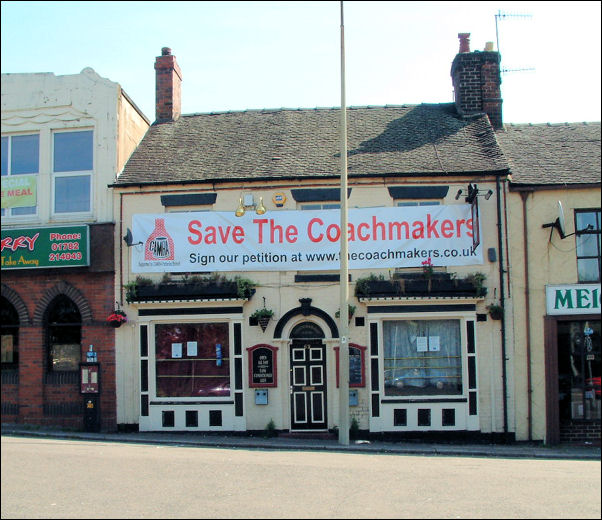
(532, 450)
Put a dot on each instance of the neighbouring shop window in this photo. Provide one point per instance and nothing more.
(579, 370)
(73, 162)
(63, 327)
(20, 168)
(587, 224)
(422, 357)
(192, 360)
(9, 329)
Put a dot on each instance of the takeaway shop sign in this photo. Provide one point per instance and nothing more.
(384, 237)
(63, 246)
(573, 299)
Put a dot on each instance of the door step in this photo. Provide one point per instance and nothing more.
(322, 436)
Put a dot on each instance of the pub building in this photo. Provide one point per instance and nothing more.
(228, 268)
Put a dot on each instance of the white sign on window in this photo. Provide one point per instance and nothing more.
(176, 350)
(421, 344)
(434, 345)
(191, 348)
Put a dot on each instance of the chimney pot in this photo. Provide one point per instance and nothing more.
(166, 51)
(464, 42)
(488, 46)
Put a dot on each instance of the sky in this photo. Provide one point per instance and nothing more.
(257, 55)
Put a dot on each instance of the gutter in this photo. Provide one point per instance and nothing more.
(502, 297)
(524, 195)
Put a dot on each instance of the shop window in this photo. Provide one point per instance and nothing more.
(587, 224)
(20, 168)
(9, 327)
(422, 357)
(63, 329)
(73, 163)
(579, 370)
(192, 360)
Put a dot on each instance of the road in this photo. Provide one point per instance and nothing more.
(50, 478)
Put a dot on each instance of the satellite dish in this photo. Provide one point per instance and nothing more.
(128, 239)
(560, 221)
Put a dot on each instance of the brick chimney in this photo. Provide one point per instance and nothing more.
(168, 91)
(477, 82)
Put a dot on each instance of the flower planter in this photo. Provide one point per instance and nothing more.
(263, 322)
(115, 324)
(184, 291)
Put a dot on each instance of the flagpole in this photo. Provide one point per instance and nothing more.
(344, 267)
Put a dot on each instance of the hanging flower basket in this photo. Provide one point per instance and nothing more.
(116, 319)
(263, 317)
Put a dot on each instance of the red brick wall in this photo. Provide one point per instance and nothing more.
(62, 403)
(168, 96)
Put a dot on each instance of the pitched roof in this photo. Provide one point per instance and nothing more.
(426, 139)
(552, 154)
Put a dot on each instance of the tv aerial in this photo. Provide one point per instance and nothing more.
(502, 16)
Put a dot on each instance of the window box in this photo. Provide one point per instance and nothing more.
(416, 285)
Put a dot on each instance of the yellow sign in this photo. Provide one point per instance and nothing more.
(19, 191)
(279, 199)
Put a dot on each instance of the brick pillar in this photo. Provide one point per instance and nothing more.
(168, 95)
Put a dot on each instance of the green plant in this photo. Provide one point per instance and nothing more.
(477, 280)
(262, 313)
(362, 284)
(354, 429)
(270, 429)
(130, 287)
(427, 268)
(350, 311)
(244, 287)
(496, 311)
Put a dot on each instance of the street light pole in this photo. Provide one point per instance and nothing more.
(344, 266)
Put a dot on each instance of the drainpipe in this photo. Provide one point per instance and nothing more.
(502, 297)
(524, 195)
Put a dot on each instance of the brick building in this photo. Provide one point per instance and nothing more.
(64, 139)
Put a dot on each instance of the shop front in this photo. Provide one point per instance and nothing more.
(573, 363)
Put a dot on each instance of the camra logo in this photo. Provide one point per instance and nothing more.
(159, 244)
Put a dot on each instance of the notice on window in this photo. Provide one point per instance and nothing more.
(176, 350)
(434, 345)
(421, 344)
(191, 348)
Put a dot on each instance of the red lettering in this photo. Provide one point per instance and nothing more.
(192, 225)
(447, 228)
(310, 233)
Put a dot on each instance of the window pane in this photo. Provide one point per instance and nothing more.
(73, 151)
(422, 357)
(24, 154)
(192, 360)
(65, 357)
(29, 210)
(588, 270)
(72, 194)
(585, 219)
(5, 156)
(587, 245)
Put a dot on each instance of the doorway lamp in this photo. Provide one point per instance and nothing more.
(247, 202)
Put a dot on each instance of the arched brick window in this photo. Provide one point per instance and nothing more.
(63, 324)
(9, 327)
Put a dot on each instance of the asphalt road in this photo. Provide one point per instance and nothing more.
(52, 478)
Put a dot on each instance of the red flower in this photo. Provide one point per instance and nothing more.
(117, 317)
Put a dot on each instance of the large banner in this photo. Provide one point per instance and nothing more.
(303, 240)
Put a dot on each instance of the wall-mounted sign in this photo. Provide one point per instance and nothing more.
(356, 365)
(279, 199)
(31, 248)
(573, 299)
(262, 366)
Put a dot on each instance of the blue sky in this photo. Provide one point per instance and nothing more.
(252, 55)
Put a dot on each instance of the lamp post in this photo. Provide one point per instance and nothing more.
(344, 266)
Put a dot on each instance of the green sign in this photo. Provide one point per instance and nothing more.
(19, 191)
(65, 246)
